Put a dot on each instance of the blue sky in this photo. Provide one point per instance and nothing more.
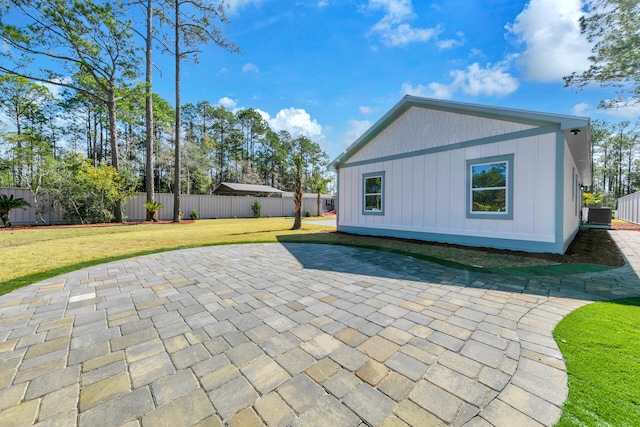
(331, 68)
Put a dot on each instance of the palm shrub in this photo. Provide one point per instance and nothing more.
(7, 204)
(152, 209)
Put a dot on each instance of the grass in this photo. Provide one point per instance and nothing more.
(601, 346)
(33, 254)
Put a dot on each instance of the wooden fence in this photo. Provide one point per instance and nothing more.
(207, 207)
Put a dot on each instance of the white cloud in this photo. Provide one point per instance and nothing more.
(250, 68)
(442, 91)
(623, 112)
(265, 116)
(491, 80)
(227, 103)
(296, 121)
(582, 109)
(323, 3)
(474, 52)
(451, 43)
(419, 90)
(365, 110)
(554, 46)
(355, 129)
(233, 6)
(393, 28)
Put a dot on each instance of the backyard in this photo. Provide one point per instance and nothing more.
(604, 333)
(29, 254)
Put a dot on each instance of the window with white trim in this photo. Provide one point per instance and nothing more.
(373, 200)
(490, 187)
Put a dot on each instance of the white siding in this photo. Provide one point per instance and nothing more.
(427, 193)
(421, 128)
(572, 195)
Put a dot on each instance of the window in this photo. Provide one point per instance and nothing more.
(490, 187)
(373, 184)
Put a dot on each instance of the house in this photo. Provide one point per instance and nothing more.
(234, 189)
(466, 174)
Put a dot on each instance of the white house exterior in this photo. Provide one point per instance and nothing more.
(467, 174)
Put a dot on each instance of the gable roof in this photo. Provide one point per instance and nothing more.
(576, 129)
(244, 189)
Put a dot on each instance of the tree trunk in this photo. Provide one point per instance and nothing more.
(4, 216)
(319, 211)
(19, 149)
(113, 139)
(297, 197)
(176, 179)
(149, 184)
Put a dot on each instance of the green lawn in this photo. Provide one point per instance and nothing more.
(601, 346)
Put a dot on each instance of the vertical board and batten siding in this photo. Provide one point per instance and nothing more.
(426, 193)
(420, 128)
(629, 208)
(571, 196)
(207, 206)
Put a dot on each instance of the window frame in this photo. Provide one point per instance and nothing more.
(370, 175)
(508, 213)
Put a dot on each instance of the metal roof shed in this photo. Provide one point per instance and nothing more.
(235, 189)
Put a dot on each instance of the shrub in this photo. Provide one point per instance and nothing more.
(86, 193)
(152, 209)
(307, 213)
(256, 209)
(591, 199)
(7, 204)
(195, 214)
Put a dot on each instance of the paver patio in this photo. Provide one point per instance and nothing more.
(302, 335)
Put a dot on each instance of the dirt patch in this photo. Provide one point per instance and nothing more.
(624, 225)
(594, 246)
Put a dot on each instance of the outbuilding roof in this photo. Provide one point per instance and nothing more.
(232, 188)
(576, 130)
